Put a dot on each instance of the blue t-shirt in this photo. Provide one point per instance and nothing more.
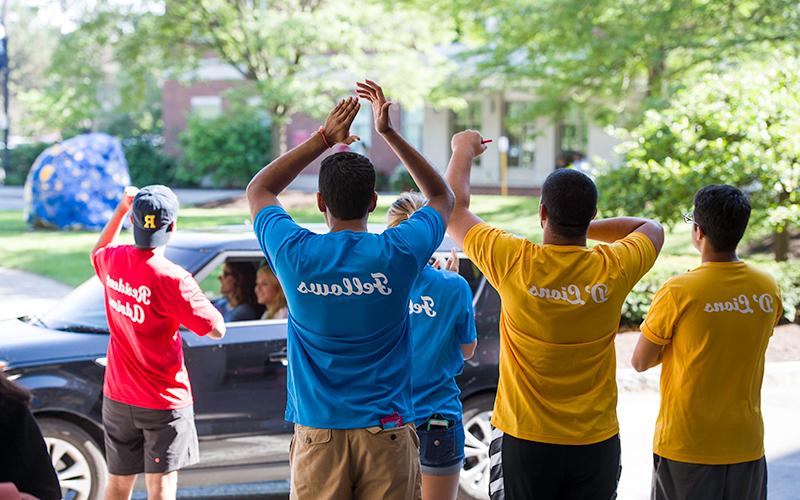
(442, 319)
(348, 340)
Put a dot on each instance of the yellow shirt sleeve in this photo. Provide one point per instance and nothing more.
(660, 321)
(637, 254)
(493, 250)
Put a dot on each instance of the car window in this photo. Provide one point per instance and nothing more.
(471, 273)
(487, 311)
(234, 281)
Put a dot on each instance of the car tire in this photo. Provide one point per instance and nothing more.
(474, 479)
(77, 459)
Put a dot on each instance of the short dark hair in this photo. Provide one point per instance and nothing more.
(570, 197)
(722, 212)
(347, 182)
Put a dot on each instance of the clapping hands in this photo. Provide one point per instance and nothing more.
(373, 93)
(337, 125)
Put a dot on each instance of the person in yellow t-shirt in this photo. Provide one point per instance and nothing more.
(561, 303)
(709, 328)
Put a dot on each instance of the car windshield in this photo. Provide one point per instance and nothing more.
(83, 309)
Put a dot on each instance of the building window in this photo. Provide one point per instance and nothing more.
(573, 138)
(362, 127)
(206, 106)
(519, 125)
(469, 117)
(412, 121)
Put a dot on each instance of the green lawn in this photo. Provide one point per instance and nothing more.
(63, 256)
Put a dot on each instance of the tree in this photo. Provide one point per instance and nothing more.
(99, 75)
(298, 54)
(615, 57)
(739, 127)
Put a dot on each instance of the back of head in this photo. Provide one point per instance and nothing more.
(722, 212)
(570, 197)
(244, 275)
(347, 183)
(154, 211)
(403, 207)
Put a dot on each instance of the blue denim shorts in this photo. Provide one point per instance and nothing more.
(441, 451)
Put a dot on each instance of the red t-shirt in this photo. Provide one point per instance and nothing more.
(148, 297)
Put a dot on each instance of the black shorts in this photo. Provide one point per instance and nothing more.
(151, 441)
(541, 470)
(684, 481)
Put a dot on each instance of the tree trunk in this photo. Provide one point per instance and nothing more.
(780, 246)
(782, 238)
(279, 137)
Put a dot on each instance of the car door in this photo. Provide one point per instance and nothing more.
(239, 386)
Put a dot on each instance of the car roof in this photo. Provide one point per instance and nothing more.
(242, 238)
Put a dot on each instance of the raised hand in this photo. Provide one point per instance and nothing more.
(468, 141)
(337, 125)
(128, 196)
(452, 262)
(373, 93)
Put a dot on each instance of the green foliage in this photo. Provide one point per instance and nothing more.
(615, 58)
(638, 302)
(21, 160)
(147, 163)
(738, 128)
(401, 180)
(229, 149)
(788, 276)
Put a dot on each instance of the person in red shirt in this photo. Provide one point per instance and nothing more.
(147, 408)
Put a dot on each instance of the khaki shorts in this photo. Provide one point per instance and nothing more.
(359, 464)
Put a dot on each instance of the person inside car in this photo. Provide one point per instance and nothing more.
(561, 304)
(349, 389)
(443, 336)
(270, 294)
(237, 283)
(147, 406)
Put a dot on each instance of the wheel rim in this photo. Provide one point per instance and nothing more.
(474, 479)
(72, 469)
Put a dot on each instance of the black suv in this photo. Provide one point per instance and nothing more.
(239, 383)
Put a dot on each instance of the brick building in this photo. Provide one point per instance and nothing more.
(535, 143)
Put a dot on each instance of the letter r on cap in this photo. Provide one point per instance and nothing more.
(149, 221)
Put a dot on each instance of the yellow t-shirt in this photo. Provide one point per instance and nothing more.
(560, 312)
(716, 321)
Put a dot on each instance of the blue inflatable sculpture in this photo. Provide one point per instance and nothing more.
(76, 184)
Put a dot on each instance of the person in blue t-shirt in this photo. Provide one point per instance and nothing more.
(443, 336)
(349, 387)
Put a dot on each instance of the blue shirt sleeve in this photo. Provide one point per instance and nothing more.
(465, 329)
(420, 235)
(274, 228)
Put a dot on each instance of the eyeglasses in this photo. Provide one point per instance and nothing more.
(688, 218)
